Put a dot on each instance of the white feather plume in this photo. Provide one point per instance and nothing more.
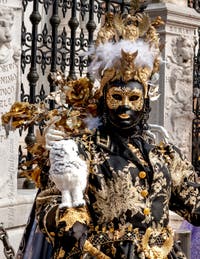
(92, 122)
(107, 55)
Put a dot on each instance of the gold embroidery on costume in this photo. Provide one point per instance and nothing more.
(117, 196)
(157, 244)
(137, 152)
(61, 253)
(73, 215)
(88, 247)
(180, 170)
(103, 142)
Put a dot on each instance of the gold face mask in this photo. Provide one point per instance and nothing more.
(131, 96)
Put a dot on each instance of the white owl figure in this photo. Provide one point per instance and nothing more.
(69, 172)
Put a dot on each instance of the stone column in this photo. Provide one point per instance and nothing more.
(15, 205)
(9, 92)
(173, 110)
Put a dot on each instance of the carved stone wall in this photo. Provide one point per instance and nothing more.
(179, 76)
(176, 75)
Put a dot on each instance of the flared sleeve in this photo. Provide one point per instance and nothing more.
(185, 197)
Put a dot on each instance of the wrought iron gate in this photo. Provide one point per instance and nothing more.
(59, 30)
(67, 29)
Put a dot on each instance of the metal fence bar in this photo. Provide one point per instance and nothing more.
(33, 76)
(73, 24)
(54, 21)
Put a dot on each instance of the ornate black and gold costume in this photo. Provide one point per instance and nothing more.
(131, 187)
(131, 184)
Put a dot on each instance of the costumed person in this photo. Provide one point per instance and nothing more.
(131, 185)
(106, 191)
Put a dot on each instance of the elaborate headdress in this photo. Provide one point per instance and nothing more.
(128, 48)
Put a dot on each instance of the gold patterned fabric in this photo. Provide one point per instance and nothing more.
(131, 187)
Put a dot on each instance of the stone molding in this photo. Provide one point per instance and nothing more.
(176, 2)
(176, 74)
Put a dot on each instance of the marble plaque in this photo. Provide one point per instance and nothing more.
(9, 93)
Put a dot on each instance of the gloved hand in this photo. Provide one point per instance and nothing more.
(52, 134)
(72, 227)
(77, 236)
(77, 233)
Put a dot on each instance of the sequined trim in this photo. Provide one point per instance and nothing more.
(101, 238)
(156, 244)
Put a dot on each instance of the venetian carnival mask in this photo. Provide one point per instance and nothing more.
(125, 104)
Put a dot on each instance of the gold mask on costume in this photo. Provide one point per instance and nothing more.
(125, 104)
(123, 96)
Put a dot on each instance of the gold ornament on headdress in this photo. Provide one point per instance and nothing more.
(126, 32)
(127, 65)
(108, 31)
